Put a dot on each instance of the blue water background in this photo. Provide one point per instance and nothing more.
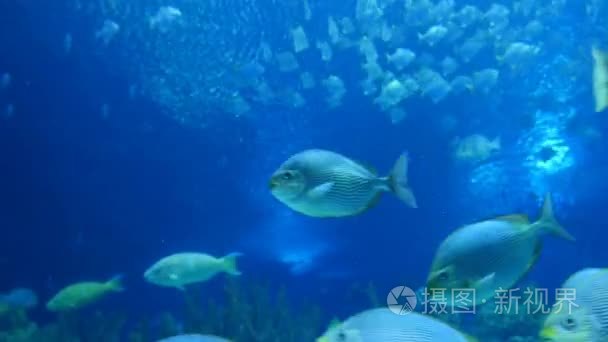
(87, 197)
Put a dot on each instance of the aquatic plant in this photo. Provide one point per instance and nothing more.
(252, 313)
(94, 327)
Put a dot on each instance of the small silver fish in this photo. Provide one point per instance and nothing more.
(322, 183)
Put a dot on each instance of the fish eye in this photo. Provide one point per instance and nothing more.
(341, 336)
(443, 276)
(569, 323)
(287, 175)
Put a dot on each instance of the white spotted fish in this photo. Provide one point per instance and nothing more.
(321, 183)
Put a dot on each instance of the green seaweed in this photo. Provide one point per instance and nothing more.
(244, 313)
(252, 313)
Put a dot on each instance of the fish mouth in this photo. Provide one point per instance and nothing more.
(272, 184)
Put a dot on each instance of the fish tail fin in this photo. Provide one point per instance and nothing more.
(229, 263)
(548, 223)
(115, 284)
(398, 181)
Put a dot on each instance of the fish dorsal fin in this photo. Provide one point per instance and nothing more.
(320, 190)
(515, 218)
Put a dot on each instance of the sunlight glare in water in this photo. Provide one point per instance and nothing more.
(542, 160)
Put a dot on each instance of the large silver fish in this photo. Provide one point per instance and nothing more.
(322, 183)
(492, 254)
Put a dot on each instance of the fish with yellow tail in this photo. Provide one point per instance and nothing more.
(600, 79)
(321, 183)
(491, 255)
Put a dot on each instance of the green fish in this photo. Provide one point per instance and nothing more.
(321, 183)
(586, 320)
(82, 294)
(383, 325)
(181, 269)
(491, 255)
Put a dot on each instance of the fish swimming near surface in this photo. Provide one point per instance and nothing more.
(585, 318)
(321, 183)
(78, 295)
(600, 79)
(383, 325)
(492, 254)
(194, 338)
(181, 269)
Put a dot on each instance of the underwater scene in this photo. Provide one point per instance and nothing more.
(303, 170)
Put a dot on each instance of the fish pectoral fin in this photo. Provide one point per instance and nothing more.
(484, 282)
(173, 276)
(320, 190)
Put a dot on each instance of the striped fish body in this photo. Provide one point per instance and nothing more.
(383, 325)
(335, 186)
(339, 191)
(587, 318)
(486, 257)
